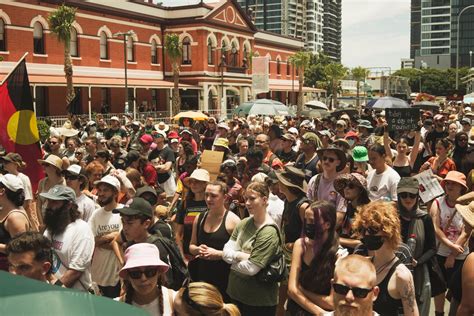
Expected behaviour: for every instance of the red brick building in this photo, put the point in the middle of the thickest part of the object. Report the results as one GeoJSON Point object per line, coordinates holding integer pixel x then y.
{"type": "Point", "coordinates": [207, 33]}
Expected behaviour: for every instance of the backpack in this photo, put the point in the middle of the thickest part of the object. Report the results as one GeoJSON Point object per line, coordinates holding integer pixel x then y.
{"type": "Point", "coordinates": [178, 271]}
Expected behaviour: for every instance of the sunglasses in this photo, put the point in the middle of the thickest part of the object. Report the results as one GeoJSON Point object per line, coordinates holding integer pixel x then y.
{"type": "Point", "coordinates": [358, 292]}
{"type": "Point", "coordinates": [72, 177]}
{"type": "Point", "coordinates": [330, 159]}
{"type": "Point", "coordinates": [137, 274]}
{"type": "Point", "coordinates": [405, 195]}
{"type": "Point", "coordinates": [369, 231]}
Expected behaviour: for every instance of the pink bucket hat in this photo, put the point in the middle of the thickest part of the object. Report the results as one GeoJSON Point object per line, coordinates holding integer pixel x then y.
{"type": "Point", "coordinates": [455, 176]}
{"type": "Point", "coordinates": [143, 255]}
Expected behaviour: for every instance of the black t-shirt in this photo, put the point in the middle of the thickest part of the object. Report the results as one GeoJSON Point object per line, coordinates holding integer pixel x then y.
{"type": "Point", "coordinates": [165, 155]}
{"type": "Point", "coordinates": [287, 157]}
{"type": "Point", "coordinates": [186, 214]}
{"type": "Point", "coordinates": [109, 133]}
{"type": "Point", "coordinates": [433, 136]}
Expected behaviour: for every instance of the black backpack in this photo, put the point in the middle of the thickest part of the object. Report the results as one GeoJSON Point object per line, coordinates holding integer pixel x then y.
{"type": "Point", "coordinates": [178, 271]}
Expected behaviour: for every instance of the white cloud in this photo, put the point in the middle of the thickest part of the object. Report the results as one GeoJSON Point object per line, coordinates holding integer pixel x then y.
{"type": "Point", "coordinates": [375, 33]}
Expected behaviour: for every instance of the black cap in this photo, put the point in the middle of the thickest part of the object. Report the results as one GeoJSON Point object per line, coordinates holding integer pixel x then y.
{"type": "Point", "coordinates": [147, 189]}
{"type": "Point", "coordinates": [139, 206]}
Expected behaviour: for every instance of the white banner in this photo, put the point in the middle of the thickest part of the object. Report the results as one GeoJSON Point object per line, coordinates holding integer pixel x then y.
{"type": "Point", "coordinates": [260, 74]}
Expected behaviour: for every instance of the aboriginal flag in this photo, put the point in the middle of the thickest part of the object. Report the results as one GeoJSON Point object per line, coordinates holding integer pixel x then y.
{"type": "Point", "coordinates": [18, 129]}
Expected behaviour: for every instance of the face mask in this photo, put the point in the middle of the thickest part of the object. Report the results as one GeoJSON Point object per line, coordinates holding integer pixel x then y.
{"type": "Point", "coordinates": [372, 242]}
{"type": "Point", "coordinates": [313, 231]}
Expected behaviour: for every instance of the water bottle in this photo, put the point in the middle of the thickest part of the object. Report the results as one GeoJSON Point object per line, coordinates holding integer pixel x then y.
{"type": "Point", "coordinates": [411, 243]}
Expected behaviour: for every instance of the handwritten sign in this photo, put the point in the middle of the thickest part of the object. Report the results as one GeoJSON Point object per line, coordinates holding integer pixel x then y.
{"type": "Point", "coordinates": [402, 119]}
{"type": "Point", "coordinates": [429, 186]}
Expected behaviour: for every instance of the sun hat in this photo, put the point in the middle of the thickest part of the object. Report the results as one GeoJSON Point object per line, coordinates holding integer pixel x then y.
{"type": "Point", "coordinates": [272, 177]}
{"type": "Point", "coordinates": [13, 157]}
{"type": "Point", "coordinates": [292, 177]}
{"type": "Point", "coordinates": [311, 137]}
{"type": "Point", "coordinates": [110, 180]}
{"type": "Point", "coordinates": [293, 130]}
{"type": "Point", "coordinates": [143, 255]}
{"type": "Point", "coordinates": [355, 178]}
{"type": "Point", "coordinates": [325, 133]}
{"type": "Point", "coordinates": [199, 175]}
{"type": "Point", "coordinates": [221, 142]}
{"type": "Point", "coordinates": [146, 139]}
{"type": "Point", "coordinates": [52, 160]}
{"type": "Point", "coordinates": [290, 137]}
{"type": "Point", "coordinates": [343, 143]}
{"type": "Point", "coordinates": [12, 182]}
{"type": "Point", "coordinates": [223, 125]}
{"type": "Point", "coordinates": [161, 126]}
{"type": "Point", "coordinates": [345, 117]}
{"type": "Point", "coordinates": [341, 122]}
{"type": "Point", "coordinates": [60, 193]}
{"type": "Point", "coordinates": [67, 130]}
{"type": "Point", "coordinates": [76, 170]}
{"type": "Point", "coordinates": [364, 123]}
{"type": "Point", "coordinates": [408, 184]}
{"type": "Point", "coordinates": [455, 176]}
{"type": "Point", "coordinates": [466, 121]}
{"type": "Point", "coordinates": [115, 118]}
{"type": "Point", "coordinates": [137, 206]}
{"type": "Point", "coordinates": [467, 212]}
{"type": "Point", "coordinates": [360, 154]}
{"type": "Point", "coordinates": [340, 155]}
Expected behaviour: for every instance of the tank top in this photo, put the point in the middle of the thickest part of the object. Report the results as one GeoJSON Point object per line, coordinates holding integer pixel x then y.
{"type": "Point", "coordinates": [215, 272]}
{"type": "Point", "coordinates": [5, 237]}
{"type": "Point", "coordinates": [385, 304]}
{"type": "Point", "coordinates": [403, 171]}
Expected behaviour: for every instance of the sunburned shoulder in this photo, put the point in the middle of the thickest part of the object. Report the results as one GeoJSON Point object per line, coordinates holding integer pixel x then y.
{"type": "Point", "coordinates": [403, 275]}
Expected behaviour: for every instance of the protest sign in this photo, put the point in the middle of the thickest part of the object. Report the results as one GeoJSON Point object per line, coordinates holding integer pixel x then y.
{"type": "Point", "coordinates": [402, 119]}
{"type": "Point", "coordinates": [429, 186]}
{"type": "Point", "coordinates": [211, 161]}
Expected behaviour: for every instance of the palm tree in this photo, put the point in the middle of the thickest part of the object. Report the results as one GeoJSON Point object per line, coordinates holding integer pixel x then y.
{"type": "Point", "coordinates": [60, 23]}
{"type": "Point", "coordinates": [300, 61]}
{"type": "Point", "coordinates": [335, 72]}
{"type": "Point", "coordinates": [174, 52]}
{"type": "Point", "coordinates": [359, 74]}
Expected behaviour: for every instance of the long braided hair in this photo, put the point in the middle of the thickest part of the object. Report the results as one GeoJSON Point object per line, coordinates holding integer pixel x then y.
{"type": "Point", "coordinates": [130, 291]}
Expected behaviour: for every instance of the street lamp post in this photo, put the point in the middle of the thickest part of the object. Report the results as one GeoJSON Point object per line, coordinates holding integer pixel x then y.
{"type": "Point", "coordinates": [222, 65]}
{"type": "Point", "coordinates": [470, 59]}
{"type": "Point", "coordinates": [457, 43]}
{"type": "Point", "coordinates": [125, 60]}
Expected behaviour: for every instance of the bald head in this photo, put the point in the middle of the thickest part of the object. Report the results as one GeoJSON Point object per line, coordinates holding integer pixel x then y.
{"type": "Point", "coordinates": [356, 264]}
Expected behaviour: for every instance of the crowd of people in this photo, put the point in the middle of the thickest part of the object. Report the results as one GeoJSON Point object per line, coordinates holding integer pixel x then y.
{"type": "Point", "coordinates": [305, 216]}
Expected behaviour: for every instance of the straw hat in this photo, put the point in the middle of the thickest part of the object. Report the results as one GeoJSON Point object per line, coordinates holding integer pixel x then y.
{"type": "Point", "coordinates": [67, 130]}
{"type": "Point", "coordinates": [52, 160]}
{"type": "Point", "coordinates": [199, 175]}
{"type": "Point", "coordinates": [293, 177]}
{"type": "Point", "coordinates": [467, 212]}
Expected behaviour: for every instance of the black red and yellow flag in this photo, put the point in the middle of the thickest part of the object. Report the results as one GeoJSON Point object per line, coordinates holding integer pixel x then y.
{"type": "Point", "coordinates": [18, 128]}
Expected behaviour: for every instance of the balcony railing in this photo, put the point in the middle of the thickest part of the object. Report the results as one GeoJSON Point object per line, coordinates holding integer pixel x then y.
{"type": "Point", "coordinates": [239, 70]}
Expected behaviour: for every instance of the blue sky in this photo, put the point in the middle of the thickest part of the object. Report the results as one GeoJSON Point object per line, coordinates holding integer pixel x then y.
{"type": "Point", "coordinates": [375, 33]}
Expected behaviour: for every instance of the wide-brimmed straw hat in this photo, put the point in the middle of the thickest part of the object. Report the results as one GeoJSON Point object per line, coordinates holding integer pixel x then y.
{"type": "Point", "coordinates": [455, 176]}
{"type": "Point", "coordinates": [143, 255]}
{"type": "Point", "coordinates": [199, 175]}
{"type": "Point", "coordinates": [341, 155]}
{"type": "Point", "coordinates": [52, 160]}
{"type": "Point", "coordinates": [355, 178]}
{"type": "Point", "coordinates": [67, 130]}
{"type": "Point", "coordinates": [467, 212]}
{"type": "Point", "coordinates": [293, 177]}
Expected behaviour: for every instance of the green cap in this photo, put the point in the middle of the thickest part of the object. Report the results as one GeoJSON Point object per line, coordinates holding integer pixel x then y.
{"type": "Point", "coordinates": [360, 154]}
{"type": "Point", "coordinates": [138, 206]}
{"type": "Point", "coordinates": [408, 184]}
{"type": "Point", "coordinates": [60, 193]}
{"type": "Point", "coordinates": [311, 137]}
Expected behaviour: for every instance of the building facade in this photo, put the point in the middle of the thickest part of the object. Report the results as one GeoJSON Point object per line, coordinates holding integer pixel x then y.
{"type": "Point", "coordinates": [217, 43]}
{"type": "Point", "coordinates": [437, 33]}
{"type": "Point", "coordinates": [332, 33]}
{"type": "Point", "coordinates": [301, 19]}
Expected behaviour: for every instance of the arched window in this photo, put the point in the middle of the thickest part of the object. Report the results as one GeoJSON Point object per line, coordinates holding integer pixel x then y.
{"type": "Point", "coordinates": [245, 59]}
{"type": "Point", "coordinates": [186, 51]}
{"type": "Point", "coordinates": [104, 46]}
{"type": "Point", "coordinates": [38, 38]}
{"type": "Point", "coordinates": [130, 49]}
{"type": "Point", "coordinates": [210, 53]}
{"type": "Point", "coordinates": [73, 44]}
{"type": "Point", "coordinates": [3, 41]}
{"type": "Point", "coordinates": [278, 67]}
{"type": "Point", "coordinates": [154, 52]}
{"type": "Point", "coordinates": [234, 55]}
{"type": "Point", "coordinates": [223, 53]}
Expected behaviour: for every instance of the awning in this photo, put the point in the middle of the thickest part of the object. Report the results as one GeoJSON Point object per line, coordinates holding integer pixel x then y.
{"type": "Point", "coordinates": [275, 87]}
{"type": "Point", "coordinates": [103, 82]}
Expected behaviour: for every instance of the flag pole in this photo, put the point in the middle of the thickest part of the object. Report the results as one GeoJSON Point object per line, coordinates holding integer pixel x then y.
{"type": "Point", "coordinates": [13, 69]}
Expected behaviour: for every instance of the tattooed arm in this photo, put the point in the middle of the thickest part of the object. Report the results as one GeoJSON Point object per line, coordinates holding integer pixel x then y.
{"type": "Point", "coordinates": [406, 290]}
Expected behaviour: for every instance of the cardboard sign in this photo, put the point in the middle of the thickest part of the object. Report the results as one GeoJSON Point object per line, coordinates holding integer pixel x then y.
{"type": "Point", "coordinates": [402, 119]}
{"type": "Point", "coordinates": [211, 161]}
{"type": "Point", "coordinates": [429, 186]}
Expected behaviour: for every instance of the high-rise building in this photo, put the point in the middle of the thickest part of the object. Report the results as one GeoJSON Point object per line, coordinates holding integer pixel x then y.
{"type": "Point", "coordinates": [438, 33]}
{"type": "Point", "coordinates": [302, 19]}
{"type": "Point", "coordinates": [332, 29]}
{"type": "Point", "coordinates": [415, 23]}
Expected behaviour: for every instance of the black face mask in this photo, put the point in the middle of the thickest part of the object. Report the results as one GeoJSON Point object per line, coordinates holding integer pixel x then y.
{"type": "Point", "coordinates": [373, 242]}
{"type": "Point", "coordinates": [313, 231]}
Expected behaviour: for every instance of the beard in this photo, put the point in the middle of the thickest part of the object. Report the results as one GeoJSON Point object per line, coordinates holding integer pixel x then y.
{"type": "Point", "coordinates": [105, 201]}
{"type": "Point", "coordinates": [363, 310]}
{"type": "Point", "coordinates": [56, 220]}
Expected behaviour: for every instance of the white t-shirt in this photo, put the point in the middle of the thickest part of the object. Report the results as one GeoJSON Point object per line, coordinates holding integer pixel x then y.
{"type": "Point", "coordinates": [105, 264]}
{"type": "Point", "coordinates": [383, 185]}
{"type": "Point", "coordinates": [85, 206]}
{"type": "Point", "coordinates": [275, 208]}
{"type": "Point", "coordinates": [27, 185]}
{"type": "Point", "coordinates": [153, 307]}
{"type": "Point", "coordinates": [73, 250]}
